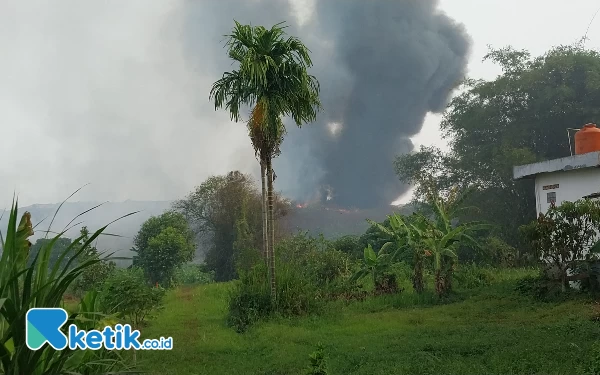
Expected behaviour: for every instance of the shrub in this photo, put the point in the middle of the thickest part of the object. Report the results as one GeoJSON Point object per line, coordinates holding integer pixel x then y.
{"type": "Point", "coordinates": [541, 288]}
{"type": "Point", "coordinates": [250, 299]}
{"type": "Point", "coordinates": [309, 271]}
{"type": "Point", "coordinates": [350, 245]}
{"type": "Point", "coordinates": [561, 237]}
{"type": "Point", "coordinates": [592, 363]}
{"type": "Point", "coordinates": [127, 293]}
{"type": "Point", "coordinates": [470, 276]}
{"type": "Point", "coordinates": [318, 364]}
{"type": "Point", "coordinates": [190, 274]}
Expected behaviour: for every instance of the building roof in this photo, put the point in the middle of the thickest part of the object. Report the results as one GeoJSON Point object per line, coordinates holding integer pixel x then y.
{"type": "Point", "coordinates": [589, 160]}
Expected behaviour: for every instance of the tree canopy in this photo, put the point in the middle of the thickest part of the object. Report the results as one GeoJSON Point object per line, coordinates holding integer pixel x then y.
{"type": "Point", "coordinates": [520, 117]}
{"type": "Point", "coordinates": [213, 210]}
{"type": "Point", "coordinates": [163, 243]}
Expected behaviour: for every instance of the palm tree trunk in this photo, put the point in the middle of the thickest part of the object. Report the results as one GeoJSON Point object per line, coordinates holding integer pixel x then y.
{"type": "Point", "coordinates": [271, 228]}
{"type": "Point", "coordinates": [264, 212]}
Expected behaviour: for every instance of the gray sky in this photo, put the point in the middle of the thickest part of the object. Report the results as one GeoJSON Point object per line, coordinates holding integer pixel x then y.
{"type": "Point", "coordinates": [128, 88]}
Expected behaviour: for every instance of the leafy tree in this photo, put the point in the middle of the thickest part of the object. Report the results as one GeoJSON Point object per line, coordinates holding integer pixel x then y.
{"type": "Point", "coordinates": [561, 237]}
{"type": "Point", "coordinates": [58, 248]}
{"type": "Point", "coordinates": [271, 78]}
{"type": "Point", "coordinates": [213, 210]}
{"type": "Point", "coordinates": [163, 243]}
{"type": "Point", "coordinates": [518, 118]}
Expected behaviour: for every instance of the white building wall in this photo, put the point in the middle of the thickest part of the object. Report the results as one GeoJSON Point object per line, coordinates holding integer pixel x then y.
{"type": "Point", "coordinates": [572, 185]}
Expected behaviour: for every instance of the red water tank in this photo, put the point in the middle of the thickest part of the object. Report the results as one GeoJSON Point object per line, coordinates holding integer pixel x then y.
{"type": "Point", "coordinates": [587, 139]}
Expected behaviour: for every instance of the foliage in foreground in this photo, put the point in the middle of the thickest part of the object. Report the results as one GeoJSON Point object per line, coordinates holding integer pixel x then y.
{"type": "Point", "coordinates": [22, 288]}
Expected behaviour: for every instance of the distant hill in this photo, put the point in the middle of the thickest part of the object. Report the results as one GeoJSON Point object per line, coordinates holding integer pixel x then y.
{"type": "Point", "coordinates": [316, 218]}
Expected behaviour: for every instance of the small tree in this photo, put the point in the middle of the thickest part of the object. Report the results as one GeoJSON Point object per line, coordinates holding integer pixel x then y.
{"type": "Point", "coordinates": [127, 294]}
{"type": "Point", "coordinates": [561, 237]}
{"type": "Point", "coordinates": [163, 243]}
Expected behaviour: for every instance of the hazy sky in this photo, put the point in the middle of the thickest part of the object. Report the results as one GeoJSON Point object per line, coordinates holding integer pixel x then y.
{"type": "Point", "coordinates": [117, 73]}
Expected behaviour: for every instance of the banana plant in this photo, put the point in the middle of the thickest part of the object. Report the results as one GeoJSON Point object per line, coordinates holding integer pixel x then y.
{"type": "Point", "coordinates": [403, 235]}
{"type": "Point", "coordinates": [441, 239]}
{"type": "Point", "coordinates": [374, 263]}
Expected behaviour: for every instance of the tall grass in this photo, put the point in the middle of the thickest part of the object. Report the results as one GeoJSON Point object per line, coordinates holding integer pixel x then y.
{"type": "Point", "coordinates": [24, 287]}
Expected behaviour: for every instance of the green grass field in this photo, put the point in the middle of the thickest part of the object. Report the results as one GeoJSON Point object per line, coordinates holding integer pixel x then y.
{"type": "Point", "coordinates": [492, 330]}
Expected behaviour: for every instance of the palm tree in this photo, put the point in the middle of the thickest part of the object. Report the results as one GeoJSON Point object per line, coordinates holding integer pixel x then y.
{"type": "Point", "coordinates": [272, 78]}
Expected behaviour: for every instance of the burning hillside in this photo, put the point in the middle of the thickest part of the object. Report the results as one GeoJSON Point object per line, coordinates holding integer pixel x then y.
{"type": "Point", "coordinates": [333, 221]}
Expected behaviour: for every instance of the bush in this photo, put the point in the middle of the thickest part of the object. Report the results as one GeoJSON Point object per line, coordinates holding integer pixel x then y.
{"type": "Point", "coordinates": [318, 363]}
{"type": "Point", "coordinates": [493, 252]}
{"type": "Point", "coordinates": [318, 258]}
{"type": "Point", "coordinates": [163, 243]}
{"type": "Point", "coordinates": [591, 364]}
{"type": "Point", "coordinates": [308, 271]}
{"type": "Point", "coordinates": [561, 237]}
{"type": "Point", "coordinates": [250, 299]}
{"type": "Point", "coordinates": [127, 294]}
{"type": "Point", "coordinates": [541, 288]}
{"type": "Point", "coordinates": [470, 276]}
{"type": "Point", "coordinates": [190, 274]}
{"type": "Point", "coordinates": [350, 245]}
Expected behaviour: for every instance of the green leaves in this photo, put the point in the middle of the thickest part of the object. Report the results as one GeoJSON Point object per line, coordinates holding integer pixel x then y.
{"type": "Point", "coordinates": [370, 257]}
{"type": "Point", "coordinates": [24, 286]}
{"type": "Point", "coordinates": [272, 74]}
{"type": "Point", "coordinates": [163, 243]}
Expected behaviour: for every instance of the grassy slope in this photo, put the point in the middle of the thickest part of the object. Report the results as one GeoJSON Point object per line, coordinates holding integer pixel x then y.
{"type": "Point", "coordinates": [491, 331]}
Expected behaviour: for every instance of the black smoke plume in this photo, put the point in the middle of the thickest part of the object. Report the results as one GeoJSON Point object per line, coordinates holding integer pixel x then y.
{"type": "Point", "coordinates": [382, 65]}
